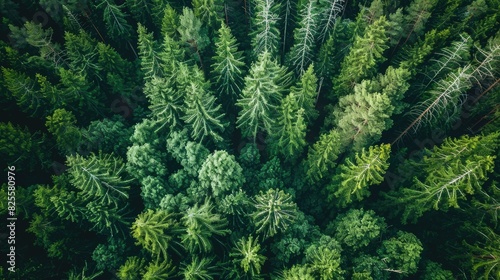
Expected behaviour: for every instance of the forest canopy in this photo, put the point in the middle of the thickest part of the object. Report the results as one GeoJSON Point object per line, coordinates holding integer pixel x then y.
{"type": "Point", "coordinates": [254, 139]}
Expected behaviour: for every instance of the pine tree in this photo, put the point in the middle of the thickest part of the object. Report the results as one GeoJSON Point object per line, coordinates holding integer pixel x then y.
{"type": "Point", "coordinates": [274, 212]}
{"type": "Point", "coordinates": [265, 34]}
{"type": "Point", "coordinates": [290, 132]}
{"type": "Point", "coordinates": [170, 21]}
{"type": "Point", "coordinates": [25, 91]}
{"type": "Point", "coordinates": [328, 18]}
{"type": "Point", "coordinates": [440, 108]}
{"type": "Point", "coordinates": [261, 95]}
{"type": "Point", "coordinates": [198, 268]}
{"type": "Point", "coordinates": [115, 19]}
{"type": "Point", "coordinates": [202, 115]}
{"type": "Point", "coordinates": [228, 66]}
{"type": "Point", "coordinates": [208, 11]}
{"type": "Point", "coordinates": [323, 154]}
{"type": "Point", "coordinates": [99, 177]}
{"type": "Point", "coordinates": [355, 178]}
{"type": "Point", "coordinates": [62, 126]}
{"type": "Point", "coordinates": [302, 52]}
{"type": "Point", "coordinates": [151, 63]}
{"type": "Point", "coordinates": [155, 231]}
{"type": "Point", "coordinates": [201, 224]}
{"type": "Point", "coordinates": [166, 103]}
{"type": "Point", "coordinates": [192, 33]}
{"type": "Point", "coordinates": [365, 54]}
{"type": "Point", "coordinates": [305, 92]}
{"type": "Point", "coordinates": [451, 172]}
{"type": "Point", "coordinates": [417, 14]}
{"type": "Point", "coordinates": [247, 254]}
{"type": "Point", "coordinates": [362, 117]}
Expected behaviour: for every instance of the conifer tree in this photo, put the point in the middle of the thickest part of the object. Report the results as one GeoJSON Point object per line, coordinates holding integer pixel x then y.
{"type": "Point", "coordinates": [208, 11]}
{"type": "Point", "coordinates": [274, 212]}
{"type": "Point", "coordinates": [290, 132]}
{"type": "Point", "coordinates": [362, 117]}
{"type": "Point", "coordinates": [201, 224]}
{"type": "Point", "coordinates": [155, 231]}
{"type": "Point", "coordinates": [192, 32]}
{"type": "Point", "coordinates": [202, 115]}
{"type": "Point", "coordinates": [228, 66]}
{"type": "Point", "coordinates": [417, 14]}
{"type": "Point", "coordinates": [99, 177]}
{"type": "Point", "coordinates": [365, 54]}
{"type": "Point", "coordinates": [166, 103]}
{"type": "Point", "coordinates": [323, 154]}
{"type": "Point", "coordinates": [247, 255]}
{"type": "Point", "coordinates": [151, 63]}
{"type": "Point", "coordinates": [451, 173]}
{"type": "Point", "coordinates": [305, 92]}
{"type": "Point", "coordinates": [355, 178]}
{"type": "Point", "coordinates": [221, 173]}
{"type": "Point", "coordinates": [328, 18]}
{"type": "Point", "coordinates": [115, 19]}
{"type": "Point", "coordinates": [170, 21]}
{"type": "Point", "coordinates": [81, 51]}
{"type": "Point", "coordinates": [25, 91]}
{"type": "Point", "coordinates": [265, 34]}
{"type": "Point", "coordinates": [198, 268]}
{"type": "Point", "coordinates": [261, 95]}
{"type": "Point", "coordinates": [62, 126]}
{"type": "Point", "coordinates": [302, 52]}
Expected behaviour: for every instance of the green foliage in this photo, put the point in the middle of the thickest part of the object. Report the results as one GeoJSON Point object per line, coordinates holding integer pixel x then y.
{"type": "Point", "coordinates": [148, 54]}
{"type": "Point", "coordinates": [247, 254]}
{"type": "Point", "coordinates": [131, 269]}
{"type": "Point", "coordinates": [324, 259]}
{"type": "Point", "coordinates": [362, 117]}
{"type": "Point", "coordinates": [221, 173]}
{"type": "Point", "coordinates": [201, 223]}
{"type": "Point", "coordinates": [357, 228]}
{"type": "Point", "coordinates": [290, 131]}
{"type": "Point", "coordinates": [198, 269]}
{"type": "Point", "coordinates": [323, 154]}
{"type": "Point", "coordinates": [485, 254]}
{"type": "Point", "coordinates": [109, 256]}
{"type": "Point", "coordinates": [228, 65]}
{"type": "Point", "coordinates": [261, 96]}
{"type": "Point", "coordinates": [158, 271]}
{"type": "Point", "coordinates": [301, 54]}
{"type": "Point", "coordinates": [107, 135]}
{"type": "Point", "coordinates": [202, 115]}
{"type": "Point", "coordinates": [401, 253]}
{"type": "Point", "coordinates": [434, 270]}
{"type": "Point", "coordinates": [265, 32]}
{"type": "Point", "coordinates": [451, 172]}
{"type": "Point", "coordinates": [62, 126]}
{"type": "Point", "coordinates": [274, 211]}
{"type": "Point", "coordinates": [191, 31]}
{"type": "Point", "coordinates": [328, 18]}
{"type": "Point", "coordinates": [99, 177]}
{"type": "Point", "coordinates": [365, 54]}
{"type": "Point", "coordinates": [155, 231]}
{"type": "Point", "coordinates": [305, 92]}
{"type": "Point", "coordinates": [355, 178]}
{"type": "Point", "coordinates": [20, 148]}
{"type": "Point", "coordinates": [115, 19]}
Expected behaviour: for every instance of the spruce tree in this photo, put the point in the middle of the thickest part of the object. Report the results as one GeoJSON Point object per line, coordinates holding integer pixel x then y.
{"type": "Point", "coordinates": [228, 66]}
{"type": "Point", "coordinates": [354, 178]}
{"type": "Point", "coordinates": [328, 18]}
{"type": "Point", "coordinates": [323, 154]}
{"type": "Point", "coordinates": [305, 92]}
{"type": "Point", "coordinates": [261, 96]}
{"type": "Point", "coordinates": [302, 52]}
{"type": "Point", "coordinates": [265, 33]}
{"type": "Point", "coordinates": [363, 58]}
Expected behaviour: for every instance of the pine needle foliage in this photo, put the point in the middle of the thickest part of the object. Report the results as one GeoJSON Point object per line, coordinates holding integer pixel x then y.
{"type": "Point", "coordinates": [99, 177]}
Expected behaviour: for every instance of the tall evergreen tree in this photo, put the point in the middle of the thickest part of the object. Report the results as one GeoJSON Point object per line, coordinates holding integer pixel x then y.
{"type": "Point", "coordinates": [290, 132]}
{"type": "Point", "coordinates": [265, 34]}
{"type": "Point", "coordinates": [247, 255]}
{"type": "Point", "coordinates": [353, 180]}
{"type": "Point", "coordinates": [115, 19]}
{"type": "Point", "coordinates": [323, 154]}
{"type": "Point", "coordinates": [302, 52]}
{"type": "Point", "coordinates": [228, 66]}
{"type": "Point", "coordinates": [328, 18]}
{"type": "Point", "coordinates": [261, 95]}
{"type": "Point", "coordinates": [364, 56]}
{"type": "Point", "coordinates": [149, 54]}
{"type": "Point", "coordinates": [305, 92]}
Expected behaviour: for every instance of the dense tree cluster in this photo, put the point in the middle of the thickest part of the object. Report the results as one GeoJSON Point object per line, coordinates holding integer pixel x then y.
{"type": "Point", "coordinates": [262, 139]}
